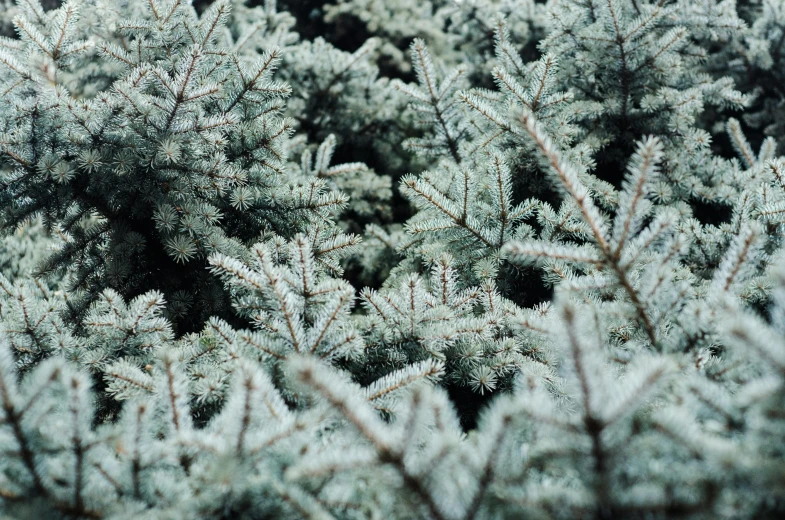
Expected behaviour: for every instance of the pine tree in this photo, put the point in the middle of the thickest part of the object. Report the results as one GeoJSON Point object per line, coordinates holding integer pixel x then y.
{"type": "Point", "coordinates": [188, 136]}
{"type": "Point", "coordinates": [215, 302]}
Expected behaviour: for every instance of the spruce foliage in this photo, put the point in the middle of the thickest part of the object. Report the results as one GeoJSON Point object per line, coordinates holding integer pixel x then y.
{"type": "Point", "coordinates": [453, 260]}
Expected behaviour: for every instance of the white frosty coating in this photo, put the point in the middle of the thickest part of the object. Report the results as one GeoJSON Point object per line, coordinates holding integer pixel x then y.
{"type": "Point", "coordinates": [177, 335]}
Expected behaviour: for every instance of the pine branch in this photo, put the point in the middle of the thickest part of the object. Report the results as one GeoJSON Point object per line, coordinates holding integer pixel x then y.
{"type": "Point", "coordinates": [568, 178]}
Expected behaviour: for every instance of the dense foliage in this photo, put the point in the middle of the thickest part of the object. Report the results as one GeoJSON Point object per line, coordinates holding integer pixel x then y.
{"type": "Point", "coordinates": [370, 259]}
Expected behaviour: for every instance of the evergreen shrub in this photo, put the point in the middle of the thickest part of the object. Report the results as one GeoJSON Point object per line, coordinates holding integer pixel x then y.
{"type": "Point", "coordinates": [400, 259]}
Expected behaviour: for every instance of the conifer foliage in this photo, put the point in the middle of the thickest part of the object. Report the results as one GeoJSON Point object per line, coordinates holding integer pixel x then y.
{"type": "Point", "coordinates": [452, 260]}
